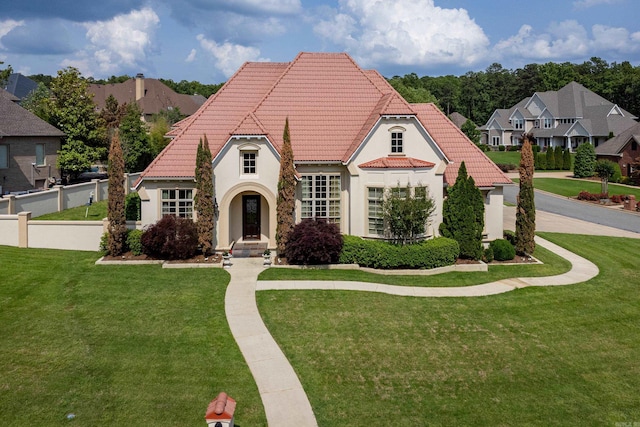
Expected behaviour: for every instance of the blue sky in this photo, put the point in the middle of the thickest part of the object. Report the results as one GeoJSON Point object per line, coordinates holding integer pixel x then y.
{"type": "Point", "coordinates": [207, 40]}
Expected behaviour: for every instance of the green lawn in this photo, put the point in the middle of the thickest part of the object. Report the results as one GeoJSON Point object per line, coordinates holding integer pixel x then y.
{"type": "Point", "coordinates": [561, 356]}
{"type": "Point", "coordinates": [115, 345]}
{"type": "Point", "coordinates": [96, 212]}
{"type": "Point", "coordinates": [572, 187]}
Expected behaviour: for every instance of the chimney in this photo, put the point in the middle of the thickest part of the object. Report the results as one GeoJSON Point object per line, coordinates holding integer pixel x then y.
{"type": "Point", "coordinates": [139, 86]}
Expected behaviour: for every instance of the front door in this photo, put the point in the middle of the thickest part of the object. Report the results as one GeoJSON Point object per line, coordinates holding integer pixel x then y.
{"type": "Point", "coordinates": [251, 217]}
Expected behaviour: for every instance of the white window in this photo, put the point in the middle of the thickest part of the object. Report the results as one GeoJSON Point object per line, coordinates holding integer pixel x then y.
{"type": "Point", "coordinates": [495, 140]}
{"type": "Point", "coordinates": [548, 123]}
{"type": "Point", "coordinates": [396, 142]}
{"type": "Point", "coordinates": [321, 197]}
{"type": "Point", "coordinates": [4, 156]}
{"type": "Point", "coordinates": [518, 124]}
{"type": "Point", "coordinates": [40, 158]}
{"type": "Point", "coordinates": [177, 203]}
{"type": "Point", "coordinates": [249, 162]}
{"type": "Point", "coordinates": [376, 220]}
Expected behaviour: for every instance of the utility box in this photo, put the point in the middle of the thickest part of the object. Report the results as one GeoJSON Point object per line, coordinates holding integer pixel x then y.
{"type": "Point", "coordinates": [220, 411]}
{"type": "Point", "coordinates": [630, 204]}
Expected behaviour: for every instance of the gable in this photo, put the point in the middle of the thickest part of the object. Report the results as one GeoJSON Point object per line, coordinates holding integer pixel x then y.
{"type": "Point", "coordinates": [535, 105]}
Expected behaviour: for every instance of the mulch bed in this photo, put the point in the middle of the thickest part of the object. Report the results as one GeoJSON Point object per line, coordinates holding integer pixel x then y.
{"type": "Point", "coordinates": [197, 259]}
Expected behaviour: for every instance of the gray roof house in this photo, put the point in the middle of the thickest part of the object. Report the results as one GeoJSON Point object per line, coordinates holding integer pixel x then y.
{"type": "Point", "coordinates": [566, 118]}
{"type": "Point", "coordinates": [622, 149]}
{"type": "Point", "coordinates": [28, 148]}
{"type": "Point", "coordinates": [20, 86]}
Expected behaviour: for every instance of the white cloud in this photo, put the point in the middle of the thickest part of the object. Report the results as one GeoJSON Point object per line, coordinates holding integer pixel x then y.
{"type": "Point", "coordinates": [228, 57]}
{"type": "Point", "coordinates": [191, 57]}
{"type": "Point", "coordinates": [123, 41]}
{"type": "Point", "coordinates": [585, 4]}
{"type": "Point", "coordinates": [567, 40]}
{"type": "Point", "coordinates": [405, 32]}
{"type": "Point", "coordinates": [6, 27]}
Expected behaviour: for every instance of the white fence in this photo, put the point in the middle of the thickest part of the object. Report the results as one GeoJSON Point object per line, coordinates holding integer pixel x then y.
{"type": "Point", "coordinates": [17, 228]}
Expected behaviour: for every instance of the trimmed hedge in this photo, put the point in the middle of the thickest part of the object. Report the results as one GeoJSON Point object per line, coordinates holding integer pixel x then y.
{"type": "Point", "coordinates": [438, 252]}
{"type": "Point", "coordinates": [502, 249]}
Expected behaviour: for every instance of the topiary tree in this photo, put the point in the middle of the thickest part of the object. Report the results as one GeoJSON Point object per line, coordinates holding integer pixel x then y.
{"type": "Point", "coordinates": [605, 169]}
{"type": "Point", "coordinates": [585, 161]}
{"type": "Point", "coordinates": [117, 227]}
{"type": "Point", "coordinates": [526, 210]}
{"type": "Point", "coordinates": [557, 155]}
{"type": "Point", "coordinates": [550, 158]}
{"type": "Point", "coordinates": [285, 204]}
{"type": "Point", "coordinates": [313, 242]}
{"type": "Point", "coordinates": [407, 216]}
{"type": "Point", "coordinates": [463, 215]}
{"type": "Point", "coordinates": [203, 200]}
{"type": "Point", "coordinates": [566, 160]}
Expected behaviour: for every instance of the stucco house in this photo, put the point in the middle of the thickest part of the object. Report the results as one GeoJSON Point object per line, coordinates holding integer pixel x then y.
{"type": "Point", "coordinates": [28, 148]}
{"type": "Point", "coordinates": [151, 95]}
{"type": "Point", "coordinates": [567, 118]}
{"type": "Point", "coordinates": [622, 149]}
{"type": "Point", "coordinates": [352, 134]}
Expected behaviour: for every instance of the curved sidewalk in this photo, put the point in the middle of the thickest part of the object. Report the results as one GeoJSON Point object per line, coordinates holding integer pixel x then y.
{"type": "Point", "coordinates": [285, 402]}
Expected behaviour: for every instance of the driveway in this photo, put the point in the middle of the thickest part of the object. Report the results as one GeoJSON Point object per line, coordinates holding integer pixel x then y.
{"type": "Point", "coordinates": [560, 214]}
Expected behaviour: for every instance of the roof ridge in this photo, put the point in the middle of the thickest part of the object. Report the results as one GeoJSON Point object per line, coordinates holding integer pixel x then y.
{"type": "Point", "coordinates": [278, 80]}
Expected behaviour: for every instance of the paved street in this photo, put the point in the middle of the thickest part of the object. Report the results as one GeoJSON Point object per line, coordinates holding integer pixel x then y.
{"type": "Point", "coordinates": [607, 216]}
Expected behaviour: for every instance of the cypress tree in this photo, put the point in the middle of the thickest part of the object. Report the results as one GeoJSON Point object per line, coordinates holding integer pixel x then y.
{"type": "Point", "coordinates": [551, 158]}
{"type": "Point", "coordinates": [463, 215]}
{"type": "Point", "coordinates": [117, 228]}
{"type": "Point", "coordinates": [285, 204]}
{"type": "Point", "coordinates": [203, 199]}
{"type": "Point", "coordinates": [566, 160]}
{"type": "Point", "coordinates": [558, 157]}
{"type": "Point", "coordinates": [526, 210]}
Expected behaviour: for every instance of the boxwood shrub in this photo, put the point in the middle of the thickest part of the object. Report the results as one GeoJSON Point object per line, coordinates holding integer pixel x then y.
{"type": "Point", "coordinates": [503, 250]}
{"type": "Point", "coordinates": [438, 252]}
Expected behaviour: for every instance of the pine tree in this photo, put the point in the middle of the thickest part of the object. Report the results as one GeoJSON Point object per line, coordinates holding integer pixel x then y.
{"type": "Point", "coordinates": [117, 228]}
{"type": "Point", "coordinates": [463, 215]}
{"type": "Point", "coordinates": [286, 192]}
{"type": "Point", "coordinates": [526, 210]}
{"type": "Point", "coordinates": [203, 199]}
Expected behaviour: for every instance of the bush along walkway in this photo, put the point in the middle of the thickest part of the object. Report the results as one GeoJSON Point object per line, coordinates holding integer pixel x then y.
{"type": "Point", "coordinates": [283, 397]}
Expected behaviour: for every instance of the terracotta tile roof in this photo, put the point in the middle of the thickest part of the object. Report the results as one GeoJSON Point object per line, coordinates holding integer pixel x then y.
{"type": "Point", "coordinates": [399, 162]}
{"type": "Point", "coordinates": [221, 408]}
{"type": "Point", "coordinates": [458, 148]}
{"type": "Point", "coordinates": [332, 104]}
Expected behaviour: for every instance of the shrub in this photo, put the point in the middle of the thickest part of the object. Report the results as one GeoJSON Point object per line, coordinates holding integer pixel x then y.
{"type": "Point", "coordinates": [104, 243]}
{"type": "Point", "coordinates": [506, 167]}
{"type": "Point", "coordinates": [592, 197]}
{"type": "Point", "coordinates": [501, 148]}
{"type": "Point", "coordinates": [585, 161]}
{"type": "Point", "coordinates": [313, 242]}
{"type": "Point", "coordinates": [134, 241]}
{"type": "Point", "coordinates": [484, 147]}
{"type": "Point", "coordinates": [509, 236]}
{"type": "Point", "coordinates": [617, 173]}
{"type": "Point", "coordinates": [438, 252]}
{"type": "Point", "coordinates": [171, 238]}
{"type": "Point", "coordinates": [488, 254]}
{"type": "Point", "coordinates": [535, 148]}
{"type": "Point", "coordinates": [503, 250]}
{"type": "Point", "coordinates": [132, 207]}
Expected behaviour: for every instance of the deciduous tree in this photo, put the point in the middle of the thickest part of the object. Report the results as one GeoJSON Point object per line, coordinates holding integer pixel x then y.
{"type": "Point", "coordinates": [526, 210]}
{"type": "Point", "coordinates": [285, 204]}
{"type": "Point", "coordinates": [471, 130]}
{"type": "Point", "coordinates": [407, 215]}
{"type": "Point", "coordinates": [135, 140]}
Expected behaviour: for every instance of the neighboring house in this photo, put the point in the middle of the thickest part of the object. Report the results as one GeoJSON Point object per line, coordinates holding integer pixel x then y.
{"type": "Point", "coordinates": [622, 149]}
{"type": "Point", "coordinates": [20, 86]}
{"type": "Point", "coordinates": [151, 95]}
{"type": "Point", "coordinates": [353, 137]}
{"type": "Point", "coordinates": [458, 119]}
{"type": "Point", "coordinates": [28, 148]}
{"type": "Point", "coordinates": [567, 118]}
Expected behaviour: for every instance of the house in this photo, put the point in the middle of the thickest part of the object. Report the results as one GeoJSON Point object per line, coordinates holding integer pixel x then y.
{"type": "Point", "coordinates": [458, 119]}
{"type": "Point", "coordinates": [28, 148]}
{"type": "Point", "coordinates": [622, 149]}
{"type": "Point", "coordinates": [20, 86]}
{"type": "Point", "coordinates": [151, 95]}
{"type": "Point", "coordinates": [567, 118]}
{"type": "Point", "coordinates": [353, 137]}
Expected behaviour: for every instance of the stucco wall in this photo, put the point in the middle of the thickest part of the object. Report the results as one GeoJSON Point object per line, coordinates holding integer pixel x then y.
{"type": "Point", "coordinates": [9, 230]}
{"type": "Point", "coordinates": [70, 235]}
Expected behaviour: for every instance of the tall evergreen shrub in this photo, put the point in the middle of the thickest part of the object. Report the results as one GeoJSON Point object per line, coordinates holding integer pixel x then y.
{"type": "Point", "coordinates": [203, 199]}
{"type": "Point", "coordinates": [285, 204]}
{"type": "Point", "coordinates": [115, 209]}
{"type": "Point", "coordinates": [585, 162]}
{"type": "Point", "coordinates": [526, 210]}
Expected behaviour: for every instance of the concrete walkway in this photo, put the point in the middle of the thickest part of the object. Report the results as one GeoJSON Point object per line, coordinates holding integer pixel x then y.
{"type": "Point", "coordinates": [284, 399]}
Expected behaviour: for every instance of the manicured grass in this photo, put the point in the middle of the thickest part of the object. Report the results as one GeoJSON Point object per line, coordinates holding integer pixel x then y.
{"type": "Point", "coordinates": [115, 345]}
{"type": "Point", "coordinates": [96, 212]}
{"type": "Point", "coordinates": [553, 264]}
{"type": "Point", "coordinates": [572, 187]}
{"type": "Point", "coordinates": [561, 356]}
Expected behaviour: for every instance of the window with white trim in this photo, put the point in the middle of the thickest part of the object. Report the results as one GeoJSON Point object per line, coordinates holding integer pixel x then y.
{"type": "Point", "coordinates": [495, 140]}
{"type": "Point", "coordinates": [375, 214]}
{"type": "Point", "coordinates": [40, 155]}
{"type": "Point", "coordinates": [547, 123]}
{"type": "Point", "coordinates": [396, 142]}
{"type": "Point", "coordinates": [249, 162]}
{"type": "Point", "coordinates": [321, 197]}
{"type": "Point", "coordinates": [4, 156]}
{"type": "Point", "coordinates": [177, 203]}
{"type": "Point", "coordinates": [518, 124]}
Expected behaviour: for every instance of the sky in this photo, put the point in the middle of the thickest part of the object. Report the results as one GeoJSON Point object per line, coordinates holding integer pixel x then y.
{"type": "Point", "coordinates": [208, 40]}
